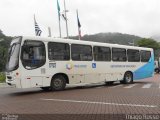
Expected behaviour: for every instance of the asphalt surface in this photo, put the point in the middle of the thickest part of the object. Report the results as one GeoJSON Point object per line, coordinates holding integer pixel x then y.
{"type": "Point", "coordinates": [140, 100]}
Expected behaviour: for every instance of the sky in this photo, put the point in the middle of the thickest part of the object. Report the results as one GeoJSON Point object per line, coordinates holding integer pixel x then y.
{"type": "Point", "coordinates": [136, 17]}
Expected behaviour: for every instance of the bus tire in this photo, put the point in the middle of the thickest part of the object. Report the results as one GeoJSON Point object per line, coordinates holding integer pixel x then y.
{"type": "Point", "coordinates": [58, 83]}
{"type": "Point", "coordinates": [122, 81]}
{"type": "Point", "coordinates": [157, 70]}
{"type": "Point", "coordinates": [46, 88]}
{"type": "Point", "coordinates": [128, 78]}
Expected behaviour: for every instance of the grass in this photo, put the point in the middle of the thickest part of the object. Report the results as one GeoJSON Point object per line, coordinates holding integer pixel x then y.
{"type": "Point", "coordinates": [2, 77]}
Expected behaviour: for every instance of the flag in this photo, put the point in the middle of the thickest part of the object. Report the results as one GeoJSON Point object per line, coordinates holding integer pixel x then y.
{"type": "Point", "coordinates": [58, 8]}
{"type": "Point", "coordinates": [63, 16]}
{"type": "Point", "coordinates": [79, 26]}
{"type": "Point", "coordinates": [37, 29]}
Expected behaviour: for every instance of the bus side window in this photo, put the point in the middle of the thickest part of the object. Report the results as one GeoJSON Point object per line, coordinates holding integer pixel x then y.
{"type": "Point", "coordinates": [119, 54]}
{"type": "Point", "coordinates": [58, 51]}
{"type": "Point", "coordinates": [81, 52]}
{"type": "Point", "coordinates": [33, 54]}
{"type": "Point", "coordinates": [102, 53]}
{"type": "Point", "coordinates": [133, 55]}
{"type": "Point", "coordinates": [25, 55]}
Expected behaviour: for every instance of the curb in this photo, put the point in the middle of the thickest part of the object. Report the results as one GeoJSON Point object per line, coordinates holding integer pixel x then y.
{"type": "Point", "coordinates": [4, 85]}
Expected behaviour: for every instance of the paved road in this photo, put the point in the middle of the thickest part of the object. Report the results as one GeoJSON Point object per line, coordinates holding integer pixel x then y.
{"type": "Point", "coordinates": [88, 102]}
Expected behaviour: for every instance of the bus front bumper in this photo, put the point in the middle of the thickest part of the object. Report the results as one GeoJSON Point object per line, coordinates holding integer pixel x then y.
{"type": "Point", "coordinates": [13, 82]}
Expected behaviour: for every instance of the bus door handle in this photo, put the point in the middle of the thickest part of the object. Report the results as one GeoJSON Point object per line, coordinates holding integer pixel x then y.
{"type": "Point", "coordinates": [43, 70]}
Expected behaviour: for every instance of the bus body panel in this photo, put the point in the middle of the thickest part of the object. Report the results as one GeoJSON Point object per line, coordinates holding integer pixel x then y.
{"type": "Point", "coordinates": [145, 71]}
{"type": "Point", "coordinates": [80, 72]}
{"type": "Point", "coordinates": [13, 78]}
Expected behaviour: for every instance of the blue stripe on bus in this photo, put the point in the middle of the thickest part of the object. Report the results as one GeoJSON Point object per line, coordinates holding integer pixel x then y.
{"type": "Point", "coordinates": [145, 71]}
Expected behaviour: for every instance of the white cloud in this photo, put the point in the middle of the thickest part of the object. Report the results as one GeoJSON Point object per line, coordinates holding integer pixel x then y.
{"type": "Point", "coordinates": [139, 17]}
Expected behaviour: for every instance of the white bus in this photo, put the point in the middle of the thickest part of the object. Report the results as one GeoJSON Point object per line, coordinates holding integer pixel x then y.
{"type": "Point", "coordinates": [51, 63]}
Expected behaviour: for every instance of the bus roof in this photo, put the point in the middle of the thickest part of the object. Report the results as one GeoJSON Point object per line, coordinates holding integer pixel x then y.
{"type": "Point", "coordinates": [73, 41]}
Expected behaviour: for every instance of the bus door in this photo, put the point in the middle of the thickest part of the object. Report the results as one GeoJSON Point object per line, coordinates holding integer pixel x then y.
{"type": "Point", "coordinates": [33, 58]}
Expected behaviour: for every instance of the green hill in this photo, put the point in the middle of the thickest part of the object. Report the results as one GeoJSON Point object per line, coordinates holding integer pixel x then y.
{"type": "Point", "coordinates": [115, 38]}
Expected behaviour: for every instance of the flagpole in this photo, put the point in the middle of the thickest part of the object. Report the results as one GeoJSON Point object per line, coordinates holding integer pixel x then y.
{"type": "Point", "coordinates": [49, 32]}
{"type": "Point", "coordinates": [79, 25]}
{"type": "Point", "coordinates": [58, 8]}
{"type": "Point", "coordinates": [65, 12]}
{"type": "Point", "coordinates": [59, 26]}
{"type": "Point", "coordinates": [34, 18]}
{"type": "Point", "coordinates": [34, 22]}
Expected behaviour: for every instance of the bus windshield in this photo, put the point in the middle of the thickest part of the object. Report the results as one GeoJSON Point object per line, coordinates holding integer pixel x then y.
{"type": "Point", "coordinates": [13, 55]}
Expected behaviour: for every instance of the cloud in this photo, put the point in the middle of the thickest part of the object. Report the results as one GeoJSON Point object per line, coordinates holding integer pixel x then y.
{"type": "Point", "coordinates": [139, 17]}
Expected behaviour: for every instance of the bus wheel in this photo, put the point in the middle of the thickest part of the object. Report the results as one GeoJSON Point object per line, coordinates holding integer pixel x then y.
{"type": "Point", "coordinates": [46, 88]}
{"type": "Point", "coordinates": [58, 83]}
{"type": "Point", "coordinates": [157, 70]}
{"type": "Point", "coordinates": [128, 78]}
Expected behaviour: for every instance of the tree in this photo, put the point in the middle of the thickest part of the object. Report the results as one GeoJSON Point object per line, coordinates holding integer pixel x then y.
{"type": "Point", "coordinates": [4, 45]}
{"type": "Point", "coordinates": [1, 34]}
{"type": "Point", "coordinates": [150, 43]}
